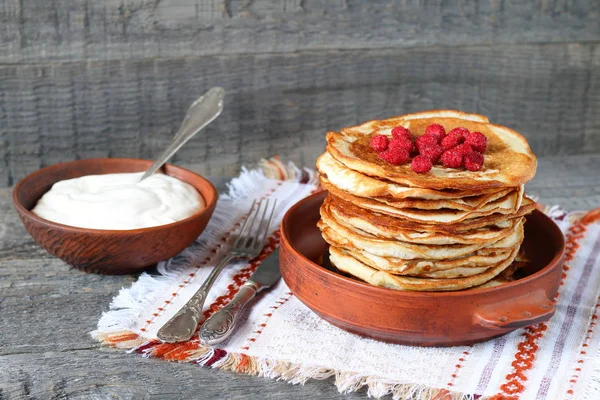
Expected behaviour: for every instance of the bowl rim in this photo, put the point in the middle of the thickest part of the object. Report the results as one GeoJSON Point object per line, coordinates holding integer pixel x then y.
{"type": "Point", "coordinates": [553, 263]}
{"type": "Point", "coordinates": [75, 229]}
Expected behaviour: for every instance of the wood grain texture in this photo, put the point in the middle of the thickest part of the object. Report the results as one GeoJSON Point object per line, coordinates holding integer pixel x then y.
{"type": "Point", "coordinates": [592, 94]}
{"type": "Point", "coordinates": [117, 375]}
{"type": "Point", "coordinates": [47, 310]}
{"type": "Point", "coordinates": [283, 104]}
{"type": "Point", "coordinates": [65, 30]}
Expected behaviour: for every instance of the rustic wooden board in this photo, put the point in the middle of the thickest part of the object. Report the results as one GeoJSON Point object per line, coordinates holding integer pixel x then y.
{"type": "Point", "coordinates": [284, 103]}
{"type": "Point", "coordinates": [47, 310]}
{"type": "Point", "coordinates": [41, 30]}
{"type": "Point", "coordinates": [592, 93]}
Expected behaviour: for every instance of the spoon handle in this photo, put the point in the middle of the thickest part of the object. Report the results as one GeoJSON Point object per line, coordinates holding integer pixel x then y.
{"type": "Point", "coordinates": [183, 324]}
{"type": "Point", "coordinates": [201, 113]}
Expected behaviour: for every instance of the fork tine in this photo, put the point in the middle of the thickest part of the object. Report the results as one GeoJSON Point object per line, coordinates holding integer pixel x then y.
{"type": "Point", "coordinates": [262, 219]}
{"type": "Point", "coordinates": [248, 215]}
{"type": "Point", "coordinates": [247, 236]}
{"type": "Point", "coordinates": [251, 242]}
{"type": "Point", "coordinates": [260, 244]}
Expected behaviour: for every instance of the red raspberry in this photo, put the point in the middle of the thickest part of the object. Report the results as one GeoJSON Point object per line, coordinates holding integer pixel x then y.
{"type": "Point", "coordinates": [436, 130]}
{"type": "Point", "coordinates": [463, 149]}
{"type": "Point", "coordinates": [477, 141]}
{"type": "Point", "coordinates": [474, 161]}
{"type": "Point", "coordinates": [426, 141]}
{"type": "Point", "coordinates": [379, 143]}
{"type": "Point", "coordinates": [432, 152]}
{"type": "Point", "coordinates": [451, 141]}
{"type": "Point", "coordinates": [421, 164]}
{"type": "Point", "coordinates": [402, 142]}
{"type": "Point", "coordinates": [460, 132]}
{"type": "Point", "coordinates": [395, 156]}
{"type": "Point", "coordinates": [452, 159]}
{"type": "Point", "coordinates": [400, 131]}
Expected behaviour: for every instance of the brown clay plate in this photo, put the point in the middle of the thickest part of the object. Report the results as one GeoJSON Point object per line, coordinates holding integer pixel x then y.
{"type": "Point", "coordinates": [419, 318]}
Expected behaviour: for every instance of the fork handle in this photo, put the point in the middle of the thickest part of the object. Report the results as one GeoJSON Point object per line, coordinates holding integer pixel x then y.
{"type": "Point", "coordinates": [183, 325]}
{"type": "Point", "coordinates": [221, 324]}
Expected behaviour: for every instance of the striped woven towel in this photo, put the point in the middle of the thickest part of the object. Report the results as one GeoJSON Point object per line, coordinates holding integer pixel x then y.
{"type": "Point", "coordinates": [552, 360]}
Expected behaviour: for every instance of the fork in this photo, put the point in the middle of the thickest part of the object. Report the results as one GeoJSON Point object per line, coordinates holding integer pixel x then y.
{"type": "Point", "coordinates": [183, 325]}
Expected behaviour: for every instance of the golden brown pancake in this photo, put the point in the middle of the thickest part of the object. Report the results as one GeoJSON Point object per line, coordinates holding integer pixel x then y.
{"type": "Point", "coordinates": [509, 161]}
{"type": "Point", "coordinates": [362, 185]}
{"type": "Point", "coordinates": [340, 236]}
{"type": "Point", "coordinates": [394, 232]}
{"type": "Point", "coordinates": [350, 210]}
{"type": "Point", "coordinates": [344, 262]}
{"type": "Point", "coordinates": [455, 268]}
{"type": "Point", "coordinates": [508, 204]}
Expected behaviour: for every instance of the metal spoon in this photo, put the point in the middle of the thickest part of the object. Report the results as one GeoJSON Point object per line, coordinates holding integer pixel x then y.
{"type": "Point", "coordinates": [201, 113]}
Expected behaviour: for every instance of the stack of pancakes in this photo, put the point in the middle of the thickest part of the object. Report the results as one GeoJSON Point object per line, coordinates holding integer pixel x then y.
{"type": "Point", "coordinates": [448, 229]}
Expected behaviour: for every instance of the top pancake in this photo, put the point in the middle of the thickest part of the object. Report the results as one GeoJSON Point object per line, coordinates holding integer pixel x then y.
{"type": "Point", "coordinates": [362, 185]}
{"type": "Point", "coordinates": [509, 161]}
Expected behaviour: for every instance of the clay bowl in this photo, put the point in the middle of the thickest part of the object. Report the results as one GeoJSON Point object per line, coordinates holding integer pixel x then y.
{"type": "Point", "coordinates": [419, 318]}
{"type": "Point", "coordinates": [109, 251]}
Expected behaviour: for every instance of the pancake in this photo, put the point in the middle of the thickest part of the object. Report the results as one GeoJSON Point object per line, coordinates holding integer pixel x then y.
{"type": "Point", "coordinates": [470, 203]}
{"type": "Point", "coordinates": [391, 231]}
{"type": "Point", "coordinates": [342, 226]}
{"type": "Point", "coordinates": [393, 224]}
{"type": "Point", "coordinates": [338, 235]}
{"type": "Point", "coordinates": [506, 276]}
{"type": "Point", "coordinates": [472, 264]}
{"type": "Point", "coordinates": [362, 185]}
{"type": "Point", "coordinates": [358, 184]}
{"type": "Point", "coordinates": [509, 161]}
{"type": "Point", "coordinates": [507, 204]}
{"type": "Point", "coordinates": [344, 262]}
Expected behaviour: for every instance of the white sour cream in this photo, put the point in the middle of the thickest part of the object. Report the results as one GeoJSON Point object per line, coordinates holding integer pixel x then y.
{"type": "Point", "coordinates": [119, 201]}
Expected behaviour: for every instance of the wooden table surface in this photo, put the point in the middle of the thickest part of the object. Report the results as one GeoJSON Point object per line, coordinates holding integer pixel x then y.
{"type": "Point", "coordinates": [48, 310]}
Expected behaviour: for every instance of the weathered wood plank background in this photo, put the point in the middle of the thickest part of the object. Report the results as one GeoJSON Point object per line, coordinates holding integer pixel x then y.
{"type": "Point", "coordinates": [88, 78]}
{"type": "Point", "coordinates": [72, 30]}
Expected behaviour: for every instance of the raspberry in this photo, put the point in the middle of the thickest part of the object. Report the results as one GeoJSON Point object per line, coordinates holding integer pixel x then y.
{"type": "Point", "coordinates": [379, 143]}
{"type": "Point", "coordinates": [400, 131]}
{"type": "Point", "coordinates": [463, 149]}
{"type": "Point", "coordinates": [451, 141]}
{"type": "Point", "coordinates": [402, 142]}
{"type": "Point", "coordinates": [421, 164]}
{"type": "Point", "coordinates": [474, 161]}
{"type": "Point", "coordinates": [395, 156]}
{"type": "Point", "coordinates": [432, 152]}
{"type": "Point", "coordinates": [436, 130]}
{"type": "Point", "coordinates": [477, 141]}
{"type": "Point", "coordinates": [426, 141]}
{"type": "Point", "coordinates": [460, 132]}
{"type": "Point", "coordinates": [452, 159]}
